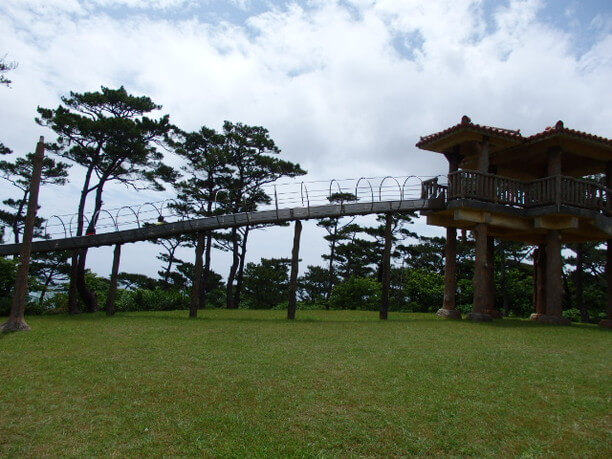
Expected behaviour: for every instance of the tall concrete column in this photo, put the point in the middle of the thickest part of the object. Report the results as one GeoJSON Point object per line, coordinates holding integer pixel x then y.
{"type": "Point", "coordinates": [448, 308]}
{"type": "Point", "coordinates": [539, 274]}
{"type": "Point", "coordinates": [482, 290]}
{"type": "Point", "coordinates": [554, 280]}
{"type": "Point", "coordinates": [295, 260]}
{"type": "Point", "coordinates": [482, 267]}
{"type": "Point", "coordinates": [491, 309]}
{"type": "Point", "coordinates": [607, 322]}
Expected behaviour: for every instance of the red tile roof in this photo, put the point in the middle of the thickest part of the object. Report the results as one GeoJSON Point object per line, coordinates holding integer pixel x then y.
{"type": "Point", "coordinates": [558, 128]}
{"type": "Point", "coordinates": [466, 123]}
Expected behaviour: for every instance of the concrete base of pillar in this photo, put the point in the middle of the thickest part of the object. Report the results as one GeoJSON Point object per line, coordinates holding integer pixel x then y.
{"type": "Point", "coordinates": [554, 320]}
{"type": "Point", "coordinates": [449, 313]}
{"type": "Point", "coordinates": [535, 316]}
{"type": "Point", "coordinates": [494, 313]}
{"type": "Point", "coordinates": [606, 323]}
{"type": "Point", "coordinates": [479, 317]}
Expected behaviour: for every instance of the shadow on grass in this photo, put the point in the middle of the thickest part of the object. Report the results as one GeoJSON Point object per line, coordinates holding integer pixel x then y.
{"type": "Point", "coordinates": [307, 316]}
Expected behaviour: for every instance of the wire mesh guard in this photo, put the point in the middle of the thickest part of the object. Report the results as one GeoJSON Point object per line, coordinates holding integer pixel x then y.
{"type": "Point", "coordinates": [288, 195]}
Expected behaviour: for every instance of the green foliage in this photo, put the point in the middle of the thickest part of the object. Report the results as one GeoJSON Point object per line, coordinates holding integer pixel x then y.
{"type": "Point", "coordinates": [266, 283]}
{"type": "Point", "coordinates": [572, 314]}
{"type": "Point", "coordinates": [8, 272]}
{"type": "Point", "coordinates": [109, 134]}
{"type": "Point", "coordinates": [152, 300]}
{"type": "Point", "coordinates": [514, 291]}
{"type": "Point", "coordinates": [312, 286]}
{"type": "Point", "coordinates": [424, 290]}
{"type": "Point", "coordinates": [133, 281]}
{"type": "Point", "coordinates": [19, 174]}
{"type": "Point", "coordinates": [356, 293]}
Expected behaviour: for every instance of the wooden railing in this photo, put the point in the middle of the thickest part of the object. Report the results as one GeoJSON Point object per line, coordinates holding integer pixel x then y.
{"type": "Point", "coordinates": [557, 190]}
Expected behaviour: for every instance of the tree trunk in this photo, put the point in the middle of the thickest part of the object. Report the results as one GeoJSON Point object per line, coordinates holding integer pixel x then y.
{"type": "Point", "coordinates": [240, 276]}
{"type": "Point", "coordinates": [112, 288]}
{"type": "Point", "coordinates": [88, 296]}
{"type": "Point", "coordinates": [232, 273]}
{"type": "Point", "coordinates": [16, 320]}
{"type": "Point", "coordinates": [295, 259]}
{"type": "Point", "coordinates": [166, 284]}
{"type": "Point", "coordinates": [197, 277]}
{"type": "Point", "coordinates": [43, 291]}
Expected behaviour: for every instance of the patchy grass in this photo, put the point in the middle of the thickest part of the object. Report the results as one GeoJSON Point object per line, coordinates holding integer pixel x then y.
{"type": "Point", "coordinates": [332, 383]}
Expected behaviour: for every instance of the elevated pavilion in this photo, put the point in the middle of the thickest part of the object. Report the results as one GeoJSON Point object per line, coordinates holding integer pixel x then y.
{"type": "Point", "coordinates": [529, 189]}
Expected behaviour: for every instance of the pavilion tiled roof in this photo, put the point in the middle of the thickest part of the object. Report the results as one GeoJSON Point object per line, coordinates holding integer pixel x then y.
{"type": "Point", "coordinates": [466, 123]}
{"type": "Point", "coordinates": [559, 128]}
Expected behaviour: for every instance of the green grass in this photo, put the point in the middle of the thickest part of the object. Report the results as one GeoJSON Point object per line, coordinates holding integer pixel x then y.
{"type": "Point", "coordinates": [332, 383]}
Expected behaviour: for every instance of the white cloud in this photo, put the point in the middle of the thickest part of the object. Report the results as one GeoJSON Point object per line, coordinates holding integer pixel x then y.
{"type": "Point", "coordinates": [328, 81]}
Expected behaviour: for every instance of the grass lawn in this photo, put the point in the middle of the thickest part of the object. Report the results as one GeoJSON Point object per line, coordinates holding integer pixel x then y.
{"type": "Point", "coordinates": [332, 383]}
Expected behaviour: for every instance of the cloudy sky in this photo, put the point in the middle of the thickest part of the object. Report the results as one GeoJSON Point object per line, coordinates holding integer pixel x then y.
{"type": "Point", "coordinates": [346, 87]}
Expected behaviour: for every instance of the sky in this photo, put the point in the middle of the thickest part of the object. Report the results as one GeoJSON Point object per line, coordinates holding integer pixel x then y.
{"type": "Point", "coordinates": [345, 87]}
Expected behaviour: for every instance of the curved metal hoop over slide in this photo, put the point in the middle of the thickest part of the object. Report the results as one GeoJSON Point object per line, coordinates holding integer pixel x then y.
{"type": "Point", "coordinates": [61, 223]}
{"type": "Point", "coordinates": [143, 205]}
{"type": "Point", "coordinates": [399, 188]}
{"type": "Point", "coordinates": [371, 190]}
{"type": "Point", "coordinates": [70, 222]}
{"type": "Point", "coordinates": [331, 184]}
{"type": "Point", "coordinates": [131, 210]}
{"type": "Point", "coordinates": [420, 183]}
{"type": "Point", "coordinates": [110, 216]}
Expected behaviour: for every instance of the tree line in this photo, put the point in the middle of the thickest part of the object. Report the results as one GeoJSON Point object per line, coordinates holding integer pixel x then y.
{"type": "Point", "coordinates": [112, 137]}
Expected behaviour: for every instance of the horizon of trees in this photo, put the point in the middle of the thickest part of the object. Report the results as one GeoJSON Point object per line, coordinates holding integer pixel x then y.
{"type": "Point", "coordinates": [109, 134]}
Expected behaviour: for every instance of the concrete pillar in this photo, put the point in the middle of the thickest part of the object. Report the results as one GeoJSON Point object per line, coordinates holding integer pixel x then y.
{"type": "Point", "coordinates": [554, 281]}
{"type": "Point", "coordinates": [448, 309]}
{"type": "Point", "coordinates": [481, 277]}
{"type": "Point", "coordinates": [539, 275]}
{"type": "Point", "coordinates": [607, 322]}
{"type": "Point", "coordinates": [295, 260]}
{"type": "Point", "coordinates": [491, 310]}
{"type": "Point", "coordinates": [386, 268]}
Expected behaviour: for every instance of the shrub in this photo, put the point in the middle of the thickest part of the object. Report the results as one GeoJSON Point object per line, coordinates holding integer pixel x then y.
{"type": "Point", "coordinates": [424, 290]}
{"type": "Point", "coordinates": [152, 300]}
{"type": "Point", "coordinates": [356, 293]}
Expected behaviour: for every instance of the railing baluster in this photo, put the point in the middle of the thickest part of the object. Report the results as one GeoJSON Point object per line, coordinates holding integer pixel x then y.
{"type": "Point", "coordinates": [557, 190]}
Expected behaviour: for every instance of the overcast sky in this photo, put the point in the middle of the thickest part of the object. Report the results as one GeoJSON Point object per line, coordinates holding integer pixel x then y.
{"type": "Point", "coordinates": [345, 87]}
